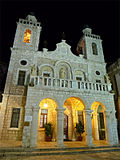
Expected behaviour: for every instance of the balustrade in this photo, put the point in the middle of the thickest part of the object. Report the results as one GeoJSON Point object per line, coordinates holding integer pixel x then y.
{"type": "Point", "coordinates": [65, 83]}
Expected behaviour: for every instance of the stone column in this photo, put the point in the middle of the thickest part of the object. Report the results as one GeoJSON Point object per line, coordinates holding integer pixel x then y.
{"type": "Point", "coordinates": [34, 127]}
{"type": "Point", "coordinates": [27, 126]}
{"type": "Point", "coordinates": [88, 127]}
{"type": "Point", "coordinates": [60, 125]}
{"type": "Point", "coordinates": [112, 136]}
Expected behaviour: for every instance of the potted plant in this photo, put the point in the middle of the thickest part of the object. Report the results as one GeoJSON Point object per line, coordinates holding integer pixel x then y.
{"type": "Point", "coordinates": [48, 131]}
{"type": "Point", "coordinates": [80, 129]}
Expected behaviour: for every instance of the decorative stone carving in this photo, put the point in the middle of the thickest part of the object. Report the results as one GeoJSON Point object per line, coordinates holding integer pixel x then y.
{"type": "Point", "coordinates": [107, 78]}
{"type": "Point", "coordinates": [63, 73]}
{"type": "Point", "coordinates": [34, 70]}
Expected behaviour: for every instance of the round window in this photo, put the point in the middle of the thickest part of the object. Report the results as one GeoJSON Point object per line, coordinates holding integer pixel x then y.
{"type": "Point", "coordinates": [23, 62]}
{"type": "Point", "coordinates": [97, 72]}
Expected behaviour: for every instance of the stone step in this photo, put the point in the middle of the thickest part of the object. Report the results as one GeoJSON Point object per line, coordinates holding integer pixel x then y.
{"type": "Point", "coordinates": [64, 151]}
{"type": "Point", "coordinates": [53, 149]}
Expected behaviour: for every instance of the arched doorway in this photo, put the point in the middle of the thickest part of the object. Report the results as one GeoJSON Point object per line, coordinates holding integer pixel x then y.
{"type": "Point", "coordinates": [98, 121]}
{"type": "Point", "coordinates": [72, 115]}
{"type": "Point", "coordinates": [47, 113]}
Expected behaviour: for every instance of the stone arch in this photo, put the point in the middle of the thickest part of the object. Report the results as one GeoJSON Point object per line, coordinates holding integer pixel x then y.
{"type": "Point", "coordinates": [47, 113]}
{"type": "Point", "coordinates": [98, 121]}
{"type": "Point", "coordinates": [79, 75]}
{"type": "Point", "coordinates": [63, 70]}
{"type": "Point", "coordinates": [47, 69]}
{"type": "Point", "coordinates": [75, 111]}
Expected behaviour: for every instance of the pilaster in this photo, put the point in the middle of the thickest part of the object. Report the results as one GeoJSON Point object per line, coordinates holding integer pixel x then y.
{"type": "Point", "coordinates": [111, 124]}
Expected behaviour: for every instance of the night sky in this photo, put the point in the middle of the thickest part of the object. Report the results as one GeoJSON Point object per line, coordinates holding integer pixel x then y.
{"type": "Point", "coordinates": [63, 16]}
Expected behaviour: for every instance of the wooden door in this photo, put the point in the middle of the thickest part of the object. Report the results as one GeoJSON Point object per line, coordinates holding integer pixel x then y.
{"type": "Point", "coordinates": [101, 126]}
{"type": "Point", "coordinates": [65, 127]}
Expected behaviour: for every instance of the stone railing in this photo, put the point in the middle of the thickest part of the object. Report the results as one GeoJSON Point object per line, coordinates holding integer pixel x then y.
{"type": "Point", "coordinates": [68, 84]}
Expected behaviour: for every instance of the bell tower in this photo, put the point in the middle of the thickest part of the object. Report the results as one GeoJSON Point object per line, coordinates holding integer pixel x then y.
{"type": "Point", "coordinates": [27, 34]}
{"type": "Point", "coordinates": [26, 43]}
{"type": "Point", "coordinates": [90, 48]}
{"type": "Point", "coordinates": [93, 46]}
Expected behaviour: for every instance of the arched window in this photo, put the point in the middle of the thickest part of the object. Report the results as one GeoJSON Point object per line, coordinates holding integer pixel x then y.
{"type": "Point", "coordinates": [94, 49]}
{"type": "Point", "coordinates": [27, 36]}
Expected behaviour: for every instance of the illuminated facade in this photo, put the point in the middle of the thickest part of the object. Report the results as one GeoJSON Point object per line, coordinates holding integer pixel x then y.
{"type": "Point", "coordinates": [58, 87]}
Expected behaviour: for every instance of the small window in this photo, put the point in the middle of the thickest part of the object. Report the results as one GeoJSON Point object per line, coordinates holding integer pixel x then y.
{"type": "Point", "coordinates": [79, 78]}
{"type": "Point", "coordinates": [94, 48]}
{"type": "Point", "coordinates": [27, 36]}
{"type": "Point", "coordinates": [23, 62]}
{"type": "Point", "coordinates": [15, 118]}
{"type": "Point", "coordinates": [98, 81]}
{"type": "Point", "coordinates": [21, 78]}
{"type": "Point", "coordinates": [46, 74]}
{"type": "Point", "coordinates": [43, 118]}
{"type": "Point", "coordinates": [97, 72]}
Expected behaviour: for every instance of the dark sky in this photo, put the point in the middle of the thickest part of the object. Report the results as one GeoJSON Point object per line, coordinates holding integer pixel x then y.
{"type": "Point", "coordinates": [63, 16]}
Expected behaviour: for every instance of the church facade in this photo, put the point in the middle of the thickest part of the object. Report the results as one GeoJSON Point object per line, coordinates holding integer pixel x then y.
{"type": "Point", "coordinates": [57, 87]}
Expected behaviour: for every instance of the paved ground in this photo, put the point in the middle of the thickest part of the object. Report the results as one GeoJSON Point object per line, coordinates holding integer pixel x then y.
{"type": "Point", "coordinates": [93, 156]}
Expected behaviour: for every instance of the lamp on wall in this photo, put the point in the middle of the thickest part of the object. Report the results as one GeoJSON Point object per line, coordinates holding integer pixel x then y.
{"type": "Point", "coordinates": [45, 105]}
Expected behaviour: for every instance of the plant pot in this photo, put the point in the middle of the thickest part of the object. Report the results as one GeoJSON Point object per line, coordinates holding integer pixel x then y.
{"type": "Point", "coordinates": [79, 138]}
{"type": "Point", "coordinates": [48, 139]}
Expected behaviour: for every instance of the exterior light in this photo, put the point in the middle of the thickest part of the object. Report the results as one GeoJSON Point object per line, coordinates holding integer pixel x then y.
{"type": "Point", "coordinates": [45, 105]}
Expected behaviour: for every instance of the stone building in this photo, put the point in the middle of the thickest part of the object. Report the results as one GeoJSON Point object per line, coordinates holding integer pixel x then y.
{"type": "Point", "coordinates": [114, 73]}
{"type": "Point", "coordinates": [58, 87]}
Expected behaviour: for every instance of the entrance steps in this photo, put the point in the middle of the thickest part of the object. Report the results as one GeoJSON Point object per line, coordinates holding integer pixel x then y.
{"type": "Point", "coordinates": [13, 152]}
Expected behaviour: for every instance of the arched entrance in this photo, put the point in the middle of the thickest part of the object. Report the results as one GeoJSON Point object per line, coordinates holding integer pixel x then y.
{"type": "Point", "coordinates": [72, 115]}
{"type": "Point", "coordinates": [98, 121]}
{"type": "Point", "coordinates": [47, 113]}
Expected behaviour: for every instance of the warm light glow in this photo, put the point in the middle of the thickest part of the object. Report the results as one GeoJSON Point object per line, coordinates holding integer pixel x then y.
{"type": "Point", "coordinates": [45, 105]}
{"type": "Point", "coordinates": [27, 36]}
{"type": "Point", "coordinates": [74, 103]}
{"type": "Point", "coordinates": [48, 103]}
{"type": "Point", "coordinates": [95, 105]}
